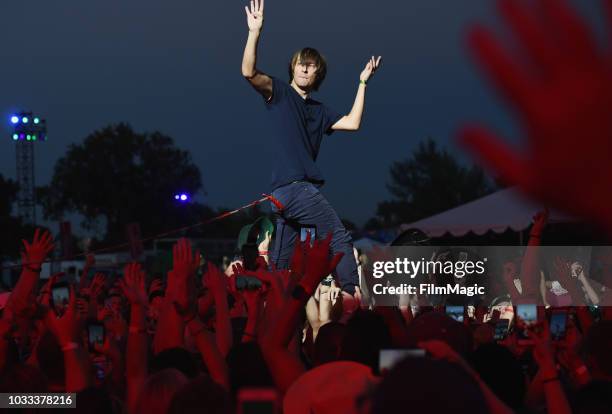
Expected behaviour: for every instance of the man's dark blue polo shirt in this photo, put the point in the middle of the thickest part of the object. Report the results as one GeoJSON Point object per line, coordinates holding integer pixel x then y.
{"type": "Point", "coordinates": [296, 129]}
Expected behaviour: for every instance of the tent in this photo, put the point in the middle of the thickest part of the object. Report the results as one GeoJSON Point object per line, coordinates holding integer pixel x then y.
{"type": "Point", "coordinates": [498, 212]}
{"type": "Point", "coordinates": [366, 243]}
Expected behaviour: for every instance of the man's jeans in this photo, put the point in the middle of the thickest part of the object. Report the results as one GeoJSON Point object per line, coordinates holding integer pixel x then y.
{"type": "Point", "coordinates": [306, 206]}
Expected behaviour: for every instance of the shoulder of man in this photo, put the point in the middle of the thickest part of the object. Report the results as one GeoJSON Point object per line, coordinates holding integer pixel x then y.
{"type": "Point", "coordinates": [279, 90]}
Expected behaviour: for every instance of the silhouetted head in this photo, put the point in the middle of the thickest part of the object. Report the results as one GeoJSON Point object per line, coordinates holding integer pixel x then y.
{"type": "Point", "coordinates": [424, 385]}
{"type": "Point", "coordinates": [200, 395]}
{"type": "Point", "coordinates": [158, 391]}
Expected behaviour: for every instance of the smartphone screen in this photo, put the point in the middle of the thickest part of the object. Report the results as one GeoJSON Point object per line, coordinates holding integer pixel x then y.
{"type": "Point", "coordinates": [60, 296]}
{"type": "Point", "coordinates": [527, 315]}
{"type": "Point", "coordinates": [305, 230]}
{"type": "Point", "coordinates": [558, 325]}
{"type": "Point", "coordinates": [501, 329]}
{"type": "Point", "coordinates": [95, 335]}
{"type": "Point", "coordinates": [389, 357]}
{"type": "Point", "coordinates": [455, 312]}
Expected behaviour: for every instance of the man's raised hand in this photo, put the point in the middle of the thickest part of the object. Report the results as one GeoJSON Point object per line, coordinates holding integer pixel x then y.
{"type": "Point", "coordinates": [255, 15]}
{"type": "Point", "coordinates": [371, 67]}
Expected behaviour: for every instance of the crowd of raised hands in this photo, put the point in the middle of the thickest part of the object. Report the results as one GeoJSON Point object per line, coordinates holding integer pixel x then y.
{"type": "Point", "coordinates": [194, 337]}
{"type": "Point", "coordinates": [143, 320]}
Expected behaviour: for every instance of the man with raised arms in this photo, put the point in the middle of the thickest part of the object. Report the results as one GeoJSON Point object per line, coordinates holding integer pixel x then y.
{"type": "Point", "coordinates": [296, 130]}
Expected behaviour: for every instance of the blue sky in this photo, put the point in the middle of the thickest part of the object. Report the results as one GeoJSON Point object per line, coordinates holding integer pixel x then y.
{"type": "Point", "coordinates": [174, 66]}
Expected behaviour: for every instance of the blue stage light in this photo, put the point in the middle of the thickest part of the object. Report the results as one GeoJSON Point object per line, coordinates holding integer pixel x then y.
{"type": "Point", "coordinates": [14, 119]}
{"type": "Point", "coordinates": [25, 119]}
{"type": "Point", "coordinates": [15, 137]}
{"type": "Point", "coordinates": [36, 120]}
{"type": "Point", "coordinates": [182, 197]}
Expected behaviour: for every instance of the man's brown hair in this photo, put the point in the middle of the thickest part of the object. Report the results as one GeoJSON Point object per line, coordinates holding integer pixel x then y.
{"type": "Point", "coordinates": [309, 54]}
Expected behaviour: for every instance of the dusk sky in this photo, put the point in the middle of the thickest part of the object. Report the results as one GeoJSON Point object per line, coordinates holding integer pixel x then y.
{"type": "Point", "coordinates": [174, 66]}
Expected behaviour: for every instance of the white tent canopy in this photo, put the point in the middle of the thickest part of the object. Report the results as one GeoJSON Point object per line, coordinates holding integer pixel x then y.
{"type": "Point", "coordinates": [497, 212]}
{"type": "Point", "coordinates": [366, 243]}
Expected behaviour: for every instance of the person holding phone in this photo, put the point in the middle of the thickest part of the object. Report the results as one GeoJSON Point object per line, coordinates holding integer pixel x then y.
{"type": "Point", "coordinates": [297, 125]}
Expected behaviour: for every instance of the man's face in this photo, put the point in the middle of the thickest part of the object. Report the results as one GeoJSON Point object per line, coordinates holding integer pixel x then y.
{"type": "Point", "coordinates": [305, 73]}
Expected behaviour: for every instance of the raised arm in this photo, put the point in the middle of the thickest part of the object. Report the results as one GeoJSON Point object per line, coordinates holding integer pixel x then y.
{"type": "Point", "coordinates": [530, 272]}
{"type": "Point", "coordinates": [133, 287]}
{"type": "Point", "coordinates": [284, 366]}
{"type": "Point", "coordinates": [259, 80]}
{"type": "Point", "coordinates": [352, 121]}
{"type": "Point", "coordinates": [217, 283]}
{"type": "Point", "coordinates": [67, 331]}
{"type": "Point", "coordinates": [32, 258]}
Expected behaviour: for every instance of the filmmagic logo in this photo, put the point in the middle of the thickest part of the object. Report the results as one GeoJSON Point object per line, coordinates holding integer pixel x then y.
{"type": "Point", "coordinates": [429, 289]}
{"type": "Point", "coordinates": [412, 268]}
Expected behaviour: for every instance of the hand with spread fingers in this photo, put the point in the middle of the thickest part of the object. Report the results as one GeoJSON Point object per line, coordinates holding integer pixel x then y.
{"type": "Point", "coordinates": [133, 285]}
{"type": "Point", "coordinates": [255, 15]}
{"type": "Point", "coordinates": [562, 93]}
{"type": "Point", "coordinates": [185, 261]}
{"type": "Point", "coordinates": [34, 254]}
{"type": "Point", "coordinates": [318, 263]}
{"type": "Point", "coordinates": [181, 279]}
{"type": "Point", "coordinates": [215, 280]}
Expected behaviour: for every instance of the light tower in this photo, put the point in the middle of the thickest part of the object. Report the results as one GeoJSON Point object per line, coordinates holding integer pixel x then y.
{"type": "Point", "coordinates": [27, 129]}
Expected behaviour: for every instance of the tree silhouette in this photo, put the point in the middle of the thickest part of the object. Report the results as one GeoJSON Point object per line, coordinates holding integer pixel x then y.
{"type": "Point", "coordinates": [13, 230]}
{"type": "Point", "coordinates": [122, 176]}
{"type": "Point", "coordinates": [429, 182]}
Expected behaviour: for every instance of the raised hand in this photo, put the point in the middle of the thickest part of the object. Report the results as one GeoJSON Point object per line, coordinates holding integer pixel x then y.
{"type": "Point", "coordinates": [328, 298]}
{"type": "Point", "coordinates": [156, 285]}
{"type": "Point", "coordinates": [97, 286]}
{"type": "Point", "coordinates": [35, 254]}
{"type": "Point", "coordinates": [539, 222]}
{"type": "Point", "coordinates": [276, 280]}
{"type": "Point", "coordinates": [215, 280]}
{"type": "Point", "coordinates": [66, 327]}
{"type": "Point", "coordinates": [133, 285]}
{"type": "Point", "coordinates": [563, 95]}
{"type": "Point", "coordinates": [318, 263]}
{"type": "Point", "coordinates": [103, 313]}
{"type": "Point", "coordinates": [371, 67]}
{"type": "Point", "coordinates": [542, 351]}
{"type": "Point", "coordinates": [255, 15]}
{"type": "Point", "coordinates": [45, 291]}
{"type": "Point", "coordinates": [185, 262]}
